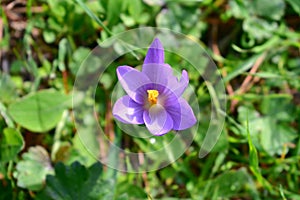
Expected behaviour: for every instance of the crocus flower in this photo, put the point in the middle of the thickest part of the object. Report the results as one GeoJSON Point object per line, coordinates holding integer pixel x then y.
{"type": "Point", "coordinates": [154, 95]}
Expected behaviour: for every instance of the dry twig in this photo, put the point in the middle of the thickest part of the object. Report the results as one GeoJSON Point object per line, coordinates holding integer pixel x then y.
{"type": "Point", "coordinates": [248, 81]}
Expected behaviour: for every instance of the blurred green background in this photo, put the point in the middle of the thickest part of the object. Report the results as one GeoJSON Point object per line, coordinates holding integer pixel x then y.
{"type": "Point", "coordinates": [256, 46]}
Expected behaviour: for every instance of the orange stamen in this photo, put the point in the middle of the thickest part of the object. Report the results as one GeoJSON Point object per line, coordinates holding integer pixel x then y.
{"type": "Point", "coordinates": [152, 96]}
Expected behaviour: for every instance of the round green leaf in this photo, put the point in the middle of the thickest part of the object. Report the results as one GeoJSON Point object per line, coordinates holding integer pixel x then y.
{"type": "Point", "coordinates": [32, 170]}
{"type": "Point", "coordinates": [11, 143]}
{"type": "Point", "coordinates": [41, 111]}
{"type": "Point", "coordinates": [49, 36]}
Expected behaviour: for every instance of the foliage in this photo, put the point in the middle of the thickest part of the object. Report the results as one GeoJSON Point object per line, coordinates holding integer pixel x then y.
{"type": "Point", "coordinates": [76, 182]}
{"type": "Point", "coordinates": [255, 44]}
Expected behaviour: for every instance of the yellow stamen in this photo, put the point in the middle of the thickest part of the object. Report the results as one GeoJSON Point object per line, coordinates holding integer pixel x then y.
{"type": "Point", "coordinates": [152, 96]}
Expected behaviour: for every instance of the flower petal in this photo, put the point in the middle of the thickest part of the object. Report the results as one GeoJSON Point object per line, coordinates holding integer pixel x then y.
{"type": "Point", "coordinates": [182, 115]}
{"type": "Point", "coordinates": [158, 73]}
{"type": "Point", "coordinates": [162, 74]}
{"type": "Point", "coordinates": [127, 111]}
{"type": "Point", "coordinates": [155, 53]}
{"type": "Point", "coordinates": [131, 80]}
{"type": "Point", "coordinates": [178, 87]}
{"type": "Point", "coordinates": [157, 120]}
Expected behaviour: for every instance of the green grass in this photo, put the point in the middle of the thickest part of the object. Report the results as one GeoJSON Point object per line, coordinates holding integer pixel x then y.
{"type": "Point", "coordinates": [48, 145]}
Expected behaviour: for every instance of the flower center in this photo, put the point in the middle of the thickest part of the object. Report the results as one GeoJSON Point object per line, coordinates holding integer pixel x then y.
{"type": "Point", "coordinates": [152, 96]}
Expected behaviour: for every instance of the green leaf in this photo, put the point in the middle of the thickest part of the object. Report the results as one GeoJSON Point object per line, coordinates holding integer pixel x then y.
{"type": "Point", "coordinates": [114, 9]}
{"type": "Point", "coordinates": [238, 9]}
{"type": "Point", "coordinates": [49, 36]}
{"type": "Point", "coordinates": [259, 28]}
{"type": "Point", "coordinates": [131, 190]}
{"type": "Point", "coordinates": [254, 162]}
{"type": "Point", "coordinates": [266, 75]}
{"type": "Point", "coordinates": [127, 19]}
{"type": "Point", "coordinates": [269, 9]}
{"type": "Point", "coordinates": [93, 16]}
{"type": "Point", "coordinates": [144, 18]}
{"type": "Point", "coordinates": [295, 5]}
{"type": "Point", "coordinates": [135, 9]}
{"type": "Point", "coordinates": [155, 2]}
{"type": "Point", "coordinates": [80, 153]}
{"type": "Point", "coordinates": [230, 184]}
{"type": "Point", "coordinates": [63, 48]}
{"type": "Point", "coordinates": [275, 136]}
{"type": "Point", "coordinates": [244, 9]}
{"type": "Point", "coordinates": [4, 114]}
{"type": "Point", "coordinates": [222, 143]}
{"type": "Point", "coordinates": [278, 107]}
{"type": "Point", "coordinates": [11, 144]}
{"type": "Point", "coordinates": [32, 170]}
{"type": "Point", "coordinates": [167, 19]}
{"type": "Point", "coordinates": [41, 111]}
{"type": "Point", "coordinates": [282, 193]}
{"type": "Point", "coordinates": [271, 131]}
{"type": "Point", "coordinates": [57, 8]}
{"type": "Point", "coordinates": [253, 158]}
{"type": "Point", "coordinates": [79, 55]}
{"type": "Point", "coordinates": [7, 89]}
{"type": "Point", "coordinates": [243, 67]}
{"type": "Point", "coordinates": [76, 182]}
{"type": "Point", "coordinates": [276, 131]}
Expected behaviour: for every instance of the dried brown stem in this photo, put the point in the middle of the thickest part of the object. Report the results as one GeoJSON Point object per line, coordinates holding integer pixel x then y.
{"type": "Point", "coordinates": [65, 81]}
{"type": "Point", "coordinates": [109, 127]}
{"type": "Point", "coordinates": [144, 174]}
{"type": "Point", "coordinates": [249, 77]}
{"type": "Point", "coordinates": [34, 9]}
{"type": "Point", "coordinates": [248, 81]}
{"type": "Point", "coordinates": [13, 3]}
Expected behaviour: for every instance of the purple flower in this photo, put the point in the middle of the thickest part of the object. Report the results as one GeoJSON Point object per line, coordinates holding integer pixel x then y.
{"type": "Point", "coordinates": [154, 95]}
